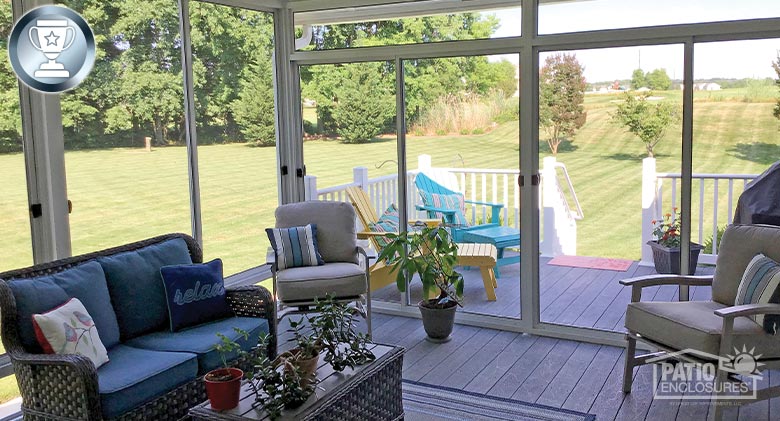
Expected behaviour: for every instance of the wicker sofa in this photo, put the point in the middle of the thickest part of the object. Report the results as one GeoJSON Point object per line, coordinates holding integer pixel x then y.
{"type": "Point", "coordinates": [152, 374]}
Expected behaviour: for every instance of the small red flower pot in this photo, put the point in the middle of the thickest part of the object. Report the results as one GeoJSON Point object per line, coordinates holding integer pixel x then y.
{"type": "Point", "coordinates": [223, 394]}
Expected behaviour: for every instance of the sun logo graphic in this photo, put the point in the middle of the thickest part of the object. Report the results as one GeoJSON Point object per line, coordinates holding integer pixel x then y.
{"type": "Point", "coordinates": [691, 374]}
{"type": "Point", "coordinates": [743, 362]}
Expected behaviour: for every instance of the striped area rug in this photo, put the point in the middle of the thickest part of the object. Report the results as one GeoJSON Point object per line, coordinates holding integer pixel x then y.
{"type": "Point", "coordinates": [424, 402]}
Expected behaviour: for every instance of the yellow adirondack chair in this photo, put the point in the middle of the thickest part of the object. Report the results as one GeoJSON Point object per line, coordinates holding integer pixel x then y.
{"type": "Point", "coordinates": [480, 255]}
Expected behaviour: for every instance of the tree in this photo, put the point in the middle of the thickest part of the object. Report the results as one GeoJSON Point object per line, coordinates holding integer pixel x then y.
{"type": "Point", "coordinates": [254, 108]}
{"type": "Point", "coordinates": [645, 120]}
{"type": "Point", "coordinates": [658, 80]}
{"type": "Point", "coordinates": [364, 103]}
{"type": "Point", "coordinates": [638, 79]}
{"type": "Point", "coordinates": [10, 120]}
{"type": "Point", "coordinates": [776, 66]}
{"type": "Point", "coordinates": [561, 94]}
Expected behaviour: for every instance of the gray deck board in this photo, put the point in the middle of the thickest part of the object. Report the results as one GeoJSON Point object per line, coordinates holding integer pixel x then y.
{"type": "Point", "coordinates": [554, 372]}
{"type": "Point", "coordinates": [567, 295]}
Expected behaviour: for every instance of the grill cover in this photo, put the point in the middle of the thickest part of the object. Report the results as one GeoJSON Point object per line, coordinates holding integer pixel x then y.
{"type": "Point", "coordinates": [760, 202]}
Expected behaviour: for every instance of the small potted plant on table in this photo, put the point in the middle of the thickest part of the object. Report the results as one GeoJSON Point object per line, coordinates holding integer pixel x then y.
{"type": "Point", "coordinates": [666, 246]}
{"type": "Point", "coordinates": [224, 384]}
{"type": "Point", "coordinates": [288, 380]}
{"type": "Point", "coordinates": [431, 255]}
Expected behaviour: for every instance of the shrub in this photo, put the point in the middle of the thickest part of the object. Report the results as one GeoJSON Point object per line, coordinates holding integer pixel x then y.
{"type": "Point", "coordinates": [477, 131]}
{"type": "Point", "coordinates": [365, 104]}
{"type": "Point", "coordinates": [464, 131]}
{"type": "Point", "coordinates": [465, 112]}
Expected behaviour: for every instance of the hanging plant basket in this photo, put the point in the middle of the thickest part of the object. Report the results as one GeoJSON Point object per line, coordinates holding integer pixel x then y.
{"type": "Point", "coordinates": [667, 259]}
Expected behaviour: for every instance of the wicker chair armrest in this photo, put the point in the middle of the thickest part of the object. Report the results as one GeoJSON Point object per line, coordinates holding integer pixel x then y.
{"type": "Point", "coordinates": [255, 301]}
{"type": "Point", "coordinates": [58, 386]}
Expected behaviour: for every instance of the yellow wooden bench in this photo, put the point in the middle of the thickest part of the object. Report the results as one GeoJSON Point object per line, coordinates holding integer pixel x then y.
{"type": "Point", "coordinates": [480, 255]}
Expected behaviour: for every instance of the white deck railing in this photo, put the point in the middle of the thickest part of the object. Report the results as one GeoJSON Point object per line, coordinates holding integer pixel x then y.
{"type": "Point", "coordinates": [476, 184]}
{"type": "Point", "coordinates": [713, 202]}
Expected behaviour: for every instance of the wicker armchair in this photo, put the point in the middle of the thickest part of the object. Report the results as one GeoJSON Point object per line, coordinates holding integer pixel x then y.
{"type": "Point", "coordinates": [65, 387]}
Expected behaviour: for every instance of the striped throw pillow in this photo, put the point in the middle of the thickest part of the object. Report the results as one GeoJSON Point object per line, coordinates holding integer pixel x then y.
{"type": "Point", "coordinates": [448, 201]}
{"type": "Point", "coordinates": [759, 285]}
{"type": "Point", "coordinates": [295, 247]}
{"type": "Point", "coordinates": [388, 222]}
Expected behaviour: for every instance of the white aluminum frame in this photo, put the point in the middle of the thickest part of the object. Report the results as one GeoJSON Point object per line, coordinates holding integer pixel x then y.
{"type": "Point", "coordinates": [529, 45]}
{"type": "Point", "coordinates": [44, 151]}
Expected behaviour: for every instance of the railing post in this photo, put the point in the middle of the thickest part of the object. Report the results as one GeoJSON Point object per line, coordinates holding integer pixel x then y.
{"type": "Point", "coordinates": [360, 177]}
{"type": "Point", "coordinates": [550, 245]}
{"type": "Point", "coordinates": [424, 162]}
{"type": "Point", "coordinates": [310, 188]}
{"type": "Point", "coordinates": [649, 199]}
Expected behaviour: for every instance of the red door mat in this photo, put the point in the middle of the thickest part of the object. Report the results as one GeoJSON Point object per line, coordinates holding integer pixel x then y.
{"type": "Point", "coordinates": [587, 262]}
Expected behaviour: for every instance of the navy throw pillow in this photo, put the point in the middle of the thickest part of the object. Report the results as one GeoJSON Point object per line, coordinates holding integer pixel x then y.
{"type": "Point", "coordinates": [195, 294]}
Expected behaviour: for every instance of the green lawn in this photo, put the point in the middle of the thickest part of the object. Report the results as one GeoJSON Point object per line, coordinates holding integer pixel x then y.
{"type": "Point", "coordinates": [121, 195]}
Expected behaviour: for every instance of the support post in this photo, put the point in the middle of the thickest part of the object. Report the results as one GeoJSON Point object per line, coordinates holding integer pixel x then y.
{"type": "Point", "coordinates": [649, 202]}
{"type": "Point", "coordinates": [550, 245]}
{"type": "Point", "coordinates": [424, 162]}
{"type": "Point", "coordinates": [360, 177]}
{"type": "Point", "coordinates": [310, 188]}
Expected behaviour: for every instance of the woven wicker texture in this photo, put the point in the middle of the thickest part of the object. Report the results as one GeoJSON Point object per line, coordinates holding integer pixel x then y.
{"type": "Point", "coordinates": [64, 387]}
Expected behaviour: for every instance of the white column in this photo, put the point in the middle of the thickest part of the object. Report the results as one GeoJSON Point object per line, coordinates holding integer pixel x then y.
{"type": "Point", "coordinates": [310, 188]}
{"type": "Point", "coordinates": [360, 177]}
{"type": "Point", "coordinates": [423, 162]}
{"type": "Point", "coordinates": [550, 245]}
{"type": "Point", "coordinates": [649, 199]}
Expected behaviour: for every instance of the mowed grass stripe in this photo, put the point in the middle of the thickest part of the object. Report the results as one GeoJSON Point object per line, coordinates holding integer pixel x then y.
{"type": "Point", "coordinates": [122, 195]}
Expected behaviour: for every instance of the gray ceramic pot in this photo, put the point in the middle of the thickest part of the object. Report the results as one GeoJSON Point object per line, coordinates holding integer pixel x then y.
{"type": "Point", "coordinates": [437, 322]}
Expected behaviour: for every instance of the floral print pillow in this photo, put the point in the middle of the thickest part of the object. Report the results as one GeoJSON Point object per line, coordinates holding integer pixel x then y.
{"type": "Point", "coordinates": [69, 329]}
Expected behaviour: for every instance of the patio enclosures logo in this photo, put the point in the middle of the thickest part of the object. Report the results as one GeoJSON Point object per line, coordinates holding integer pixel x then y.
{"type": "Point", "coordinates": [51, 49]}
{"type": "Point", "coordinates": [690, 375]}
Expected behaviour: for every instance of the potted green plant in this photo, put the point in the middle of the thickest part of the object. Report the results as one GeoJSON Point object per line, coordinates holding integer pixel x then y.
{"type": "Point", "coordinates": [289, 379]}
{"type": "Point", "coordinates": [278, 384]}
{"type": "Point", "coordinates": [224, 384]}
{"type": "Point", "coordinates": [666, 246]}
{"type": "Point", "coordinates": [431, 254]}
{"type": "Point", "coordinates": [332, 325]}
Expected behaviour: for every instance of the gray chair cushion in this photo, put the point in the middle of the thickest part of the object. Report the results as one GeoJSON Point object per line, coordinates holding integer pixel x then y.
{"type": "Point", "coordinates": [336, 233]}
{"type": "Point", "coordinates": [739, 245]}
{"type": "Point", "coordinates": [306, 283]}
{"type": "Point", "coordinates": [693, 324]}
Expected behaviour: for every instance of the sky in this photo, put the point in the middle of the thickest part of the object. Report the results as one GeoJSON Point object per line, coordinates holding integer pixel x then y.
{"type": "Point", "coordinates": [739, 59]}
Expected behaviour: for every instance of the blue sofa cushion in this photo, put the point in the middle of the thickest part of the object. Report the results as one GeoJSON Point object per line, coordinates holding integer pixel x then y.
{"type": "Point", "coordinates": [195, 294]}
{"type": "Point", "coordinates": [135, 376]}
{"type": "Point", "coordinates": [136, 287]}
{"type": "Point", "coordinates": [201, 339]}
{"type": "Point", "coordinates": [87, 282]}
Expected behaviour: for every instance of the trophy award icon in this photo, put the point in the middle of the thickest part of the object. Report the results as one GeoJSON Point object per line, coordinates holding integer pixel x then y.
{"type": "Point", "coordinates": [52, 36]}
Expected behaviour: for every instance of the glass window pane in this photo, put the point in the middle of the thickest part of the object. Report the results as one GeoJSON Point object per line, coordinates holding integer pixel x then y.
{"type": "Point", "coordinates": [349, 118]}
{"type": "Point", "coordinates": [735, 130]}
{"type": "Point", "coordinates": [580, 15]}
{"type": "Point", "coordinates": [409, 23]}
{"type": "Point", "coordinates": [125, 154]}
{"type": "Point", "coordinates": [595, 148]}
{"type": "Point", "coordinates": [233, 81]}
{"type": "Point", "coordinates": [464, 134]}
{"type": "Point", "coordinates": [16, 247]}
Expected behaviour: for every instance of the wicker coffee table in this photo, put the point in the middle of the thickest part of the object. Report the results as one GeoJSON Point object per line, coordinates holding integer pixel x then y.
{"type": "Point", "coordinates": [369, 392]}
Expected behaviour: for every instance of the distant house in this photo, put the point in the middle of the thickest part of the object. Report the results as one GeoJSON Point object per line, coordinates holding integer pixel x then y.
{"type": "Point", "coordinates": [704, 86]}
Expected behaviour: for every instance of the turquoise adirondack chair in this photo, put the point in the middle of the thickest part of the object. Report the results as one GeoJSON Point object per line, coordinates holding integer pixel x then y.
{"type": "Point", "coordinates": [439, 201]}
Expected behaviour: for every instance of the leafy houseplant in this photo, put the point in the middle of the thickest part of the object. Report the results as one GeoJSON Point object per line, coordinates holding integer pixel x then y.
{"type": "Point", "coordinates": [332, 326]}
{"type": "Point", "coordinates": [224, 384]}
{"type": "Point", "coordinates": [666, 246]}
{"type": "Point", "coordinates": [432, 255]}
{"type": "Point", "coordinates": [288, 380]}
